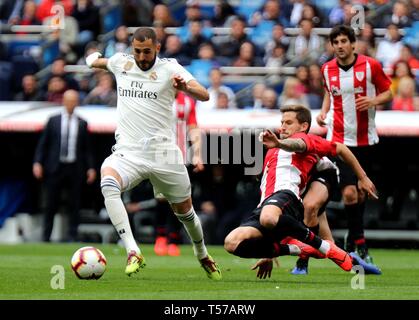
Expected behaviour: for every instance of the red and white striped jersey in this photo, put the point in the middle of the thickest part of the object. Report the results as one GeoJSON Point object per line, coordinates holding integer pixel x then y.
{"type": "Point", "coordinates": [283, 170]}
{"type": "Point", "coordinates": [185, 116]}
{"type": "Point", "coordinates": [365, 78]}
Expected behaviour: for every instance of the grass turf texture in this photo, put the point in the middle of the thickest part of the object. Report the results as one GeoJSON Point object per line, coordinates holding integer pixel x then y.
{"type": "Point", "coordinates": [25, 273]}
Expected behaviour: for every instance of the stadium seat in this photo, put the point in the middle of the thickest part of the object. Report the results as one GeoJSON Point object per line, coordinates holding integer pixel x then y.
{"type": "Point", "coordinates": [6, 71]}
{"type": "Point", "coordinates": [111, 18]}
{"type": "Point", "coordinates": [246, 8]}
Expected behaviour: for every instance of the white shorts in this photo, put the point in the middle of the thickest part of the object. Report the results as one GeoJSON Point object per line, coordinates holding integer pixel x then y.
{"type": "Point", "coordinates": [169, 179]}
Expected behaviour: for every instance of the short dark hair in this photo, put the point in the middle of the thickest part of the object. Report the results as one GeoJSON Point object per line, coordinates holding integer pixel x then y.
{"type": "Point", "coordinates": [303, 114]}
{"type": "Point", "coordinates": [342, 30]}
{"type": "Point", "coordinates": [144, 33]}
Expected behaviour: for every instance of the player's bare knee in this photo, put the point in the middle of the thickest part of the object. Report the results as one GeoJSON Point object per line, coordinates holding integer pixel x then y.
{"type": "Point", "coordinates": [268, 221]}
{"type": "Point", "coordinates": [350, 195]}
{"type": "Point", "coordinates": [311, 209]}
{"type": "Point", "coordinates": [232, 240]}
{"type": "Point", "coordinates": [182, 207]}
{"type": "Point", "coordinates": [110, 187]}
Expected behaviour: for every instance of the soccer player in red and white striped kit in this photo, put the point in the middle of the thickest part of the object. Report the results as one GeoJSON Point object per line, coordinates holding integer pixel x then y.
{"type": "Point", "coordinates": [355, 84]}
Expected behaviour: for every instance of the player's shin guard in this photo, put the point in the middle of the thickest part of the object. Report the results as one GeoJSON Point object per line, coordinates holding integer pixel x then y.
{"type": "Point", "coordinates": [289, 226]}
{"type": "Point", "coordinates": [111, 191]}
{"type": "Point", "coordinates": [355, 216]}
{"type": "Point", "coordinates": [260, 248]}
{"type": "Point", "coordinates": [193, 227]}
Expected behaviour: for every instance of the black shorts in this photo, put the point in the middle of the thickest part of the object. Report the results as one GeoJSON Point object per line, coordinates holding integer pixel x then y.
{"type": "Point", "coordinates": [365, 156]}
{"type": "Point", "coordinates": [283, 199]}
{"type": "Point", "coordinates": [329, 178]}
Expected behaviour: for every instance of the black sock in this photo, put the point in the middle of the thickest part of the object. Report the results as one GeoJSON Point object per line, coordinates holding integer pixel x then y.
{"type": "Point", "coordinates": [289, 226]}
{"type": "Point", "coordinates": [355, 216]}
{"type": "Point", "coordinates": [261, 248]}
{"type": "Point", "coordinates": [315, 229]}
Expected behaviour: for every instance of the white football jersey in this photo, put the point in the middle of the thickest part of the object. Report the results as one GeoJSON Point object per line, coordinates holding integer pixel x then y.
{"type": "Point", "coordinates": [145, 101]}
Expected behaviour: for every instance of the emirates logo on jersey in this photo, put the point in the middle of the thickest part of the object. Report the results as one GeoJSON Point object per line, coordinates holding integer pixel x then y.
{"type": "Point", "coordinates": [153, 76]}
{"type": "Point", "coordinates": [360, 75]}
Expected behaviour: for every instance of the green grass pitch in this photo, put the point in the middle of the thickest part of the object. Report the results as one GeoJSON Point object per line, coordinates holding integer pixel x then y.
{"type": "Point", "coordinates": [25, 273]}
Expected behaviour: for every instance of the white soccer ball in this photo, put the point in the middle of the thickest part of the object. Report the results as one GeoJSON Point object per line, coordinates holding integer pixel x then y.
{"type": "Point", "coordinates": [88, 263]}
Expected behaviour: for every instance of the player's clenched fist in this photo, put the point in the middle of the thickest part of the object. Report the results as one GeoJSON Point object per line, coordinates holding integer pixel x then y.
{"type": "Point", "coordinates": [178, 82]}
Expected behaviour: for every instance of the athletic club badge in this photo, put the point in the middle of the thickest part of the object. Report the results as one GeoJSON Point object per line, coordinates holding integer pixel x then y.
{"type": "Point", "coordinates": [359, 75]}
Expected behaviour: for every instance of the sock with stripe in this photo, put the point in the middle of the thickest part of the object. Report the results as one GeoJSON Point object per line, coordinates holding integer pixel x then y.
{"type": "Point", "coordinates": [111, 191]}
{"type": "Point", "coordinates": [193, 227]}
{"type": "Point", "coordinates": [289, 226]}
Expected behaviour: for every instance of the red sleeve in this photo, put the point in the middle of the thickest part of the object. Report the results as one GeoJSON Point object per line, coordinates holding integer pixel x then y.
{"type": "Point", "coordinates": [316, 144]}
{"type": "Point", "coordinates": [192, 113]}
{"type": "Point", "coordinates": [379, 78]}
{"type": "Point", "coordinates": [324, 79]}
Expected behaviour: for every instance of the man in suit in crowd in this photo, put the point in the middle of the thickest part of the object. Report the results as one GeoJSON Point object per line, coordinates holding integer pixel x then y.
{"type": "Point", "coordinates": [64, 159]}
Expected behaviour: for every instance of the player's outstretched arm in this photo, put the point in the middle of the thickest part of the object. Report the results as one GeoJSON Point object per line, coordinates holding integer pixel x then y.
{"type": "Point", "coordinates": [270, 140]}
{"type": "Point", "coordinates": [94, 60]}
{"type": "Point", "coordinates": [192, 88]}
{"type": "Point", "coordinates": [364, 183]}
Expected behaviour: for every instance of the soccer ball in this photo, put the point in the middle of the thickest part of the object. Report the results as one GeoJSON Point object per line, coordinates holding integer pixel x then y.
{"type": "Point", "coordinates": [88, 263]}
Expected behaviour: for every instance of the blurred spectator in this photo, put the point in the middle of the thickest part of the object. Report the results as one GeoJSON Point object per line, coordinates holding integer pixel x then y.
{"type": "Point", "coordinates": [302, 74]}
{"type": "Point", "coordinates": [406, 54]}
{"type": "Point", "coordinates": [271, 11]}
{"type": "Point", "coordinates": [414, 11]}
{"type": "Point", "coordinates": [193, 12]}
{"type": "Point", "coordinates": [119, 43]}
{"type": "Point", "coordinates": [88, 18]}
{"type": "Point", "coordinates": [56, 88]}
{"type": "Point", "coordinates": [222, 100]}
{"type": "Point", "coordinates": [293, 94]}
{"type": "Point", "coordinates": [104, 93]}
{"type": "Point", "coordinates": [401, 69]}
{"type": "Point", "coordinates": [278, 57]}
{"type": "Point", "coordinates": [310, 12]}
{"type": "Point", "coordinates": [363, 47]}
{"type": "Point", "coordinates": [399, 16]}
{"type": "Point", "coordinates": [28, 15]}
{"type": "Point", "coordinates": [367, 34]}
{"type": "Point", "coordinates": [315, 80]}
{"type": "Point", "coordinates": [162, 14]}
{"type": "Point", "coordinates": [58, 69]}
{"type": "Point", "coordinates": [161, 34]}
{"type": "Point", "coordinates": [64, 161]}
{"type": "Point", "coordinates": [337, 14]}
{"type": "Point", "coordinates": [269, 99]}
{"type": "Point", "coordinates": [223, 14]}
{"type": "Point", "coordinates": [194, 40]}
{"type": "Point", "coordinates": [389, 49]}
{"type": "Point", "coordinates": [327, 54]}
{"type": "Point", "coordinates": [44, 8]}
{"type": "Point", "coordinates": [216, 78]}
{"type": "Point", "coordinates": [307, 47]}
{"type": "Point", "coordinates": [201, 67]}
{"type": "Point", "coordinates": [67, 37]}
{"type": "Point", "coordinates": [406, 98]}
{"type": "Point", "coordinates": [30, 90]}
{"type": "Point", "coordinates": [10, 11]}
{"type": "Point", "coordinates": [229, 46]}
{"type": "Point", "coordinates": [251, 98]}
{"type": "Point", "coordinates": [247, 56]}
{"type": "Point", "coordinates": [278, 38]}
{"type": "Point", "coordinates": [296, 12]}
{"type": "Point", "coordinates": [137, 12]}
{"type": "Point", "coordinates": [174, 50]}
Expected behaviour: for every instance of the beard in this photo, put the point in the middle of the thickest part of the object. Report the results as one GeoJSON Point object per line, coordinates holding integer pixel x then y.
{"type": "Point", "coordinates": [148, 64]}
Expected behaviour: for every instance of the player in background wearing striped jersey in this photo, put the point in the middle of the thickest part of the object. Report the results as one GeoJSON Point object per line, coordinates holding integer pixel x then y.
{"type": "Point", "coordinates": [168, 228]}
{"type": "Point", "coordinates": [276, 227]}
{"type": "Point", "coordinates": [145, 148]}
{"type": "Point", "coordinates": [355, 84]}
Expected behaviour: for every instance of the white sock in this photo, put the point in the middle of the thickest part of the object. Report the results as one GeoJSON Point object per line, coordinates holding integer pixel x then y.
{"type": "Point", "coordinates": [193, 227]}
{"type": "Point", "coordinates": [324, 247]}
{"type": "Point", "coordinates": [117, 212]}
{"type": "Point", "coordinates": [294, 250]}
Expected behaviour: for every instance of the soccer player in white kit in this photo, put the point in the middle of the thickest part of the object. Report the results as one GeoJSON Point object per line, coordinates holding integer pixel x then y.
{"type": "Point", "coordinates": [145, 146]}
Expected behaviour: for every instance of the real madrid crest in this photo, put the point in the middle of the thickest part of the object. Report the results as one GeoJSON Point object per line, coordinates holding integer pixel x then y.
{"type": "Point", "coordinates": [153, 75]}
